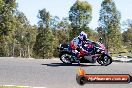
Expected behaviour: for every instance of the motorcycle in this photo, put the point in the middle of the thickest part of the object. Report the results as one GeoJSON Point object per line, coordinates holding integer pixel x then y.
{"type": "Point", "coordinates": [98, 54]}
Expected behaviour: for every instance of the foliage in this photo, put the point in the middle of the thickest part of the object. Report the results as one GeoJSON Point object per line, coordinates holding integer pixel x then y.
{"type": "Point", "coordinates": [80, 16]}
{"type": "Point", "coordinates": [127, 35]}
{"type": "Point", "coordinates": [109, 22]}
{"type": "Point", "coordinates": [7, 8]}
{"type": "Point", "coordinates": [44, 40]}
{"type": "Point", "coordinates": [20, 39]}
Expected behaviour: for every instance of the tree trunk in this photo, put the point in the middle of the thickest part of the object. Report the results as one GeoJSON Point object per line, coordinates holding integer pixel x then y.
{"type": "Point", "coordinates": [20, 53]}
{"type": "Point", "coordinates": [13, 49]}
{"type": "Point", "coordinates": [28, 52]}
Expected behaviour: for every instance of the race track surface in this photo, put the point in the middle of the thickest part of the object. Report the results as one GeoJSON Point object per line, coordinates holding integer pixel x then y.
{"type": "Point", "coordinates": [51, 73]}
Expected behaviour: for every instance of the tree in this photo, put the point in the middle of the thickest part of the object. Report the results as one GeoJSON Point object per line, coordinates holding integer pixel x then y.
{"type": "Point", "coordinates": [54, 21]}
{"type": "Point", "coordinates": [101, 34]}
{"type": "Point", "coordinates": [22, 37]}
{"type": "Point", "coordinates": [109, 22]}
{"type": "Point", "coordinates": [60, 29]}
{"type": "Point", "coordinates": [45, 18]}
{"type": "Point", "coordinates": [44, 40]}
{"type": "Point", "coordinates": [7, 8]}
{"type": "Point", "coordinates": [127, 35]}
{"type": "Point", "coordinates": [31, 39]}
{"type": "Point", "coordinates": [19, 44]}
{"type": "Point", "coordinates": [80, 16]}
{"type": "Point", "coordinates": [64, 27]}
{"type": "Point", "coordinates": [6, 16]}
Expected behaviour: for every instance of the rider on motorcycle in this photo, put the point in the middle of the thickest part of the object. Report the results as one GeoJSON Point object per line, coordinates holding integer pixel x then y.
{"type": "Point", "coordinates": [78, 44]}
{"type": "Point", "coordinates": [100, 42]}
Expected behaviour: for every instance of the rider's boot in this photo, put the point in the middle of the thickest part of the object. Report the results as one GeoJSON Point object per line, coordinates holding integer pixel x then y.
{"type": "Point", "coordinates": [75, 57]}
{"type": "Point", "coordinates": [78, 57]}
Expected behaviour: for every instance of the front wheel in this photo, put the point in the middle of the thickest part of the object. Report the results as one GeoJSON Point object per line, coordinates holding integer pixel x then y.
{"type": "Point", "coordinates": [104, 60]}
{"type": "Point", "coordinates": [65, 58]}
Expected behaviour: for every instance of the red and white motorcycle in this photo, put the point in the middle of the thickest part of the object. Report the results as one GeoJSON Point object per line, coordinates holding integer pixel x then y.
{"type": "Point", "coordinates": [98, 53]}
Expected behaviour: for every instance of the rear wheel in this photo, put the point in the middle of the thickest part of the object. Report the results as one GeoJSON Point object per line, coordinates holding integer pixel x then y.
{"type": "Point", "coordinates": [105, 60]}
{"type": "Point", "coordinates": [65, 58]}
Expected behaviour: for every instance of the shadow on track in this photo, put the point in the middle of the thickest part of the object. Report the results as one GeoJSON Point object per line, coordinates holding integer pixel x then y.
{"type": "Point", "coordinates": [62, 64]}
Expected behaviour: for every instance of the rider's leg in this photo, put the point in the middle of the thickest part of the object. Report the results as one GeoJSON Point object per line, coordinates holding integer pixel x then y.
{"type": "Point", "coordinates": [77, 55]}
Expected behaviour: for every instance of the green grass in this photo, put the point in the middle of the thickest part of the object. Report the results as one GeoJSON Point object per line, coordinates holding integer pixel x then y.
{"type": "Point", "coordinates": [12, 87]}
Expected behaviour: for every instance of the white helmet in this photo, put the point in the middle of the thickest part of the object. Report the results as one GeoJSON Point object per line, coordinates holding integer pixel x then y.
{"type": "Point", "coordinates": [83, 36]}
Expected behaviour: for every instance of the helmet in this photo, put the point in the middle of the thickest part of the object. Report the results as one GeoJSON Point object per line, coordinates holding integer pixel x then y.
{"type": "Point", "coordinates": [83, 36]}
{"type": "Point", "coordinates": [100, 40]}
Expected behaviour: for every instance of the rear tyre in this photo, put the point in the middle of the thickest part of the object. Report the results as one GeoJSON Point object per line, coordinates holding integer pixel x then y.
{"type": "Point", "coordinates": [105, 60]}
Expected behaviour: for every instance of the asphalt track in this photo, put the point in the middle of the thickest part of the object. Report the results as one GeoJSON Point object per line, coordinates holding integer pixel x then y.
{"type": "Point", "coordinates": [53, 74]}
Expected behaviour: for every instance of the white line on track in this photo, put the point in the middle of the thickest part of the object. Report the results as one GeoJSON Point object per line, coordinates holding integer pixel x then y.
{"type": "Point", "coordinates": [55, 59]}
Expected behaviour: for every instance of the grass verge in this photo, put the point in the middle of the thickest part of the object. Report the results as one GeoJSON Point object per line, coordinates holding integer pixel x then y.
{"type": "Point", "coordinates": [13, 87]}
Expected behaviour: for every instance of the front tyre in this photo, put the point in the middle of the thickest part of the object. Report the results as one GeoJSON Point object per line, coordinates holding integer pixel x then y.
{"type": "Point", "coordinates": [105, 60]}
{"type": "Point", "coordinates": [65, 57]}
